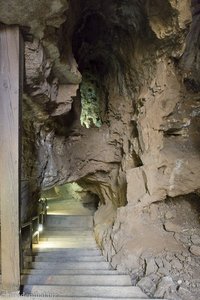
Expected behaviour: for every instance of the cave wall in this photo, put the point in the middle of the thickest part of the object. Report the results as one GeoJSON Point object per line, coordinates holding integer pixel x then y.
{"type": "Point", "coordinates": [143, 61]}
{"type": "Point", "coordinates": [162, 133]}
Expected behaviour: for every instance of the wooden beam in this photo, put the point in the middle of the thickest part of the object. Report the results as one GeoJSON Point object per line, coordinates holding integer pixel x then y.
{"type": "Point", "coordinates": [10, 94]}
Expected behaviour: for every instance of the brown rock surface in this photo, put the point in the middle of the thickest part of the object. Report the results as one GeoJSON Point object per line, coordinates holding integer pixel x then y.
{"type": "Point", "coordinates": [143, 62]}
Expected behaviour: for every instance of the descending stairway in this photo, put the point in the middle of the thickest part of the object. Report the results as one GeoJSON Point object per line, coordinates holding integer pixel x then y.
{"type": "Point", "coordinates": [67, 264]}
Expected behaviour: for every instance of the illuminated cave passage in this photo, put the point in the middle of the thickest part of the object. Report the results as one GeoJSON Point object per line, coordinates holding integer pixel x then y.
{"type": "Point", "coordinates": [110, 131]}
{"type": "Point", "coordinates": [70, 199]}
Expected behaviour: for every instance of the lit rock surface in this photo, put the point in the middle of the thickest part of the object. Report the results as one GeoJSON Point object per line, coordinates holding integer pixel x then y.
{"type": "Point", "coordinates": [142, 163]}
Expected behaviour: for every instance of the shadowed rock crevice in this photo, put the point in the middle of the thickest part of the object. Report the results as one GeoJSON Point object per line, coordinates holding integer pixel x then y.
{"type": "Point", "coordinates": [190, 61]}
{"type": "Point", "coordinates": [112, 103]}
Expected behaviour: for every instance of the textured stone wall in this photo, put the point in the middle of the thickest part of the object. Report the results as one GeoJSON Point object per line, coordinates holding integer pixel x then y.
{"type": "Point", "coordinates": [144, 59]}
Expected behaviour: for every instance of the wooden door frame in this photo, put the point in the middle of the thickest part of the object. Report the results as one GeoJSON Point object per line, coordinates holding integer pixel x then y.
{"type": "Point", "coordinates": [11, 80]}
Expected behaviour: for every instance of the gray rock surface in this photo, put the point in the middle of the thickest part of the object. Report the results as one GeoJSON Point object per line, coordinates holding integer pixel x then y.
{"type": "Point", "coordinates": [195, 250]}
{"type": "Point", "coordinates": [164, 286]}
{"type": "Point", "coordinates": [142, 163]}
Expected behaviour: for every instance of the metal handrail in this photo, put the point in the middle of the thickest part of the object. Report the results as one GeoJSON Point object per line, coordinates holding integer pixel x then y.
{"type": "Point", "coordinates": [34, 233]}
{"type": "Point", "coordinates": [25, 225]}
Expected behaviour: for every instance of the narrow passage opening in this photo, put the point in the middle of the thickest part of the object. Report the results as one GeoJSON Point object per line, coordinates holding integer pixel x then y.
{"type": "Point", "coordinates": [70, 199]}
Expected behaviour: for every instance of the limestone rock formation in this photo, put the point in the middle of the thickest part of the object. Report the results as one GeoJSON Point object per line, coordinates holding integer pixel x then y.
{"type": "Point", "coordinates": [137, 145]}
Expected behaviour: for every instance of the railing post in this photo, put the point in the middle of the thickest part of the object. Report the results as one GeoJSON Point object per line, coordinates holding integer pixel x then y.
{"type": "Point", "coordinates": [45, 214]}
{"type": "Point", "coordinates": [38, 233]}
{"type": "Point", "coordinates": [31, 236]}
{"type": "Point", "coordinates": [21, 253]}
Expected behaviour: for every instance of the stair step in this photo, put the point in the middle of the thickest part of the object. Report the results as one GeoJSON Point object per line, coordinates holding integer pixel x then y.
{"type": "Point", "coordinates": [66, 229]}
{"type": "Point", "coordinates": [63, 259]}
{"type": "Point", "coordinates": [88, 280]}
{"type": "Point", "coordinates": [66, 232]}
{"type": "Point", "coordinates": [68, 272]}
{"type": "Point", "coordinates": [68, 235]}
{"type": "Point", "coordinates": [67, 252]}
{"type": "Point", "coordinates": [63, 237]}
{"type": "Point", "coordinates": [11, 297]}
{"type": "Point", "coordinates": [69, 221]}
{"type": "Point", "coordinates": [65, 244]}
{"type": "Point", "coordinates": [85, 291]}
{"type": "Point", "coordinates": [70, 265]}
{"type": "Point", "coordinates": [76, 239]}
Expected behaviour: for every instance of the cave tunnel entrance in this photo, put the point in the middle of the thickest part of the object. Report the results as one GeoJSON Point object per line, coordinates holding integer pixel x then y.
{"type": "Point", "coordinates": [69, 221]}
{"type": "Point", "coordinates": [70, 199]}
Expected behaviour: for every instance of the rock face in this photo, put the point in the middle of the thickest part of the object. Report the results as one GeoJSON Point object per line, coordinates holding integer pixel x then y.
{"type": "Point", "coordinates": [137, 144]}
